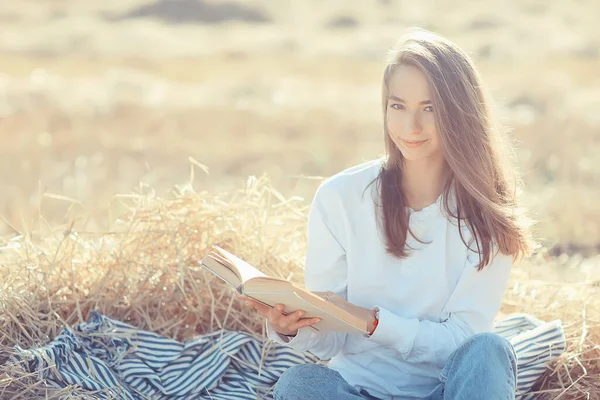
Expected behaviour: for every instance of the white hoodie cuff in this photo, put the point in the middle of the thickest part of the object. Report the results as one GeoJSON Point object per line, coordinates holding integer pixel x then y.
{"type": "Point", "coordinates": [394, 331]}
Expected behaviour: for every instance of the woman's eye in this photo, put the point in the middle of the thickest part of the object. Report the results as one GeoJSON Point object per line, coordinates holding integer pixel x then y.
{"type": "Point", "coordinates": [429, 109]}
{"type": "Point", "coordinates": [397, 106]}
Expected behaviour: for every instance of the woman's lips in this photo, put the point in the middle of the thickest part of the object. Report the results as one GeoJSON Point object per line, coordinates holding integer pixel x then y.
{"type": "Point", "coordinates": [413, 143]}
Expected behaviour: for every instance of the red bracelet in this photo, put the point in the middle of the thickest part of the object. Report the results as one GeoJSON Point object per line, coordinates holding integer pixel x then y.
{"type": "Point", "coordinates": [374, 326]}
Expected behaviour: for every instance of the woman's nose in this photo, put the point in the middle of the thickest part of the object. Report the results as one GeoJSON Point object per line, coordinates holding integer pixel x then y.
{"type": "Point", "coordinates": [414, 124]}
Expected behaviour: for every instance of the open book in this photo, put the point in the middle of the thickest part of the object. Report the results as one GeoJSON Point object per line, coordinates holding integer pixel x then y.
{"type": "Point", "coordinates": [250, 282]}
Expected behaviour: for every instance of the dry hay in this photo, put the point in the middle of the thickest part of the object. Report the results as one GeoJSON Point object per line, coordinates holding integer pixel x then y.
{"type": "Point", "coordinates": [142, 272]}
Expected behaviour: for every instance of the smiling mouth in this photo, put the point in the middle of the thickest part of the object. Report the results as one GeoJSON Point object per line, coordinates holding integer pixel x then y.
{"type": "Point", "coordinates": [413, 143]}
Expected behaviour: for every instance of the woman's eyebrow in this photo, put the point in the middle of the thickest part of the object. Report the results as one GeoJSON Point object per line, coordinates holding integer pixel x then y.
{"type": "Point", "coordinates": [399, 100]}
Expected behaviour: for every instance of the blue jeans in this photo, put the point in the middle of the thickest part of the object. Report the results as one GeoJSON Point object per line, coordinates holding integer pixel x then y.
{"type": "Point", "coordinates": [483, 367]}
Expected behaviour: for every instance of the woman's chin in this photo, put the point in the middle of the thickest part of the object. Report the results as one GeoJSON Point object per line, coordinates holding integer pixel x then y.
{"type": "Point", "coordinates": [417, 154]}
{"type": "Point", "coordinates": [413, 154]}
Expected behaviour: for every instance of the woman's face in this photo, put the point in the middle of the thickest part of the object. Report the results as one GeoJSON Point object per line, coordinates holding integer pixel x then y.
{"type": "Point", "coordinates": [409, 115]}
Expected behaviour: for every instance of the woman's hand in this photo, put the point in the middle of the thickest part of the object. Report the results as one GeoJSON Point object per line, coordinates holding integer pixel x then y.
{"type": "Point", "coordinates": [283, 324]}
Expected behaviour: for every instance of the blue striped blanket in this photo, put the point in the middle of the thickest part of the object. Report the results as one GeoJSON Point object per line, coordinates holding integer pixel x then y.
{"type": "Point", "coordinates": [110, 359]}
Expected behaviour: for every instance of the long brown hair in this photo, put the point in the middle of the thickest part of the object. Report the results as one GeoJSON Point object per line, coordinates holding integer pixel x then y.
{"type": "Point", "coordinates": [481, 174]}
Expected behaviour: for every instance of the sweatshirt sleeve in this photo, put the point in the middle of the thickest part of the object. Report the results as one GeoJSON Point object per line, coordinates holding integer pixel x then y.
{"type": "Point", "coordinates": [471, 309]}
{"type": "Point", "coordinates": [325, 270]}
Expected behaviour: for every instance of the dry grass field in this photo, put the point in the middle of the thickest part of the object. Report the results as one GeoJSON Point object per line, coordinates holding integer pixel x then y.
{"type": "Point", "coordinates": [101, 102]}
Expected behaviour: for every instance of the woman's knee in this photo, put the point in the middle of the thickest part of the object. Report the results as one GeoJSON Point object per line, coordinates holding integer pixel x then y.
{"type": "Point", "coordinates": [297, 381]}
{"type": "Point", "coordinates": [491, 345]}
{"type": "Point", "coordinates": [485, 363]}
{"type": "Point", "coordinates": [491, 342]}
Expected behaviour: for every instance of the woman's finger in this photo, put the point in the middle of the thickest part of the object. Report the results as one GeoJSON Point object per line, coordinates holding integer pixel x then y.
{"type": "Point", "coordinates": [301, 323]}
{"type": "Point", "coordinates": [292, 318]}
{"type": "Point", "coordinates": [275, 314]}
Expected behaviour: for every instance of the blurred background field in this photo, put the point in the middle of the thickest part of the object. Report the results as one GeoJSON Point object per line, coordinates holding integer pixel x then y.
{"type": "Point", "coordinates": [101, 99]}
{"type": "Point", "coordinates": [97, 97]}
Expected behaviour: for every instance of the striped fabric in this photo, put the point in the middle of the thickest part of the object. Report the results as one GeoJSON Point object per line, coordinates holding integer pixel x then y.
{"type": "Point", "coordinates": [536, 343]}
{"type": "Point", "coordinates": [113, 360]}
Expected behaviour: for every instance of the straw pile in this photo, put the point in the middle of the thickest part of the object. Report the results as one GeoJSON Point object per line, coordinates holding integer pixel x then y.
{"type": "Point", "coordinates": [141, 272]}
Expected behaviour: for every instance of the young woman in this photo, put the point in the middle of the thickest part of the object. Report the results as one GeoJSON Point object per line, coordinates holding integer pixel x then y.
{"type": "Point", "coordinates": [420, 242]}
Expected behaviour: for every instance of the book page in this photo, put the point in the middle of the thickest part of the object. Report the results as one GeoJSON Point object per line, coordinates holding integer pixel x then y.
{"type": "Point", "coordinates": [245, 270]}
{"type": "Point", "coordinates": [222, 271]}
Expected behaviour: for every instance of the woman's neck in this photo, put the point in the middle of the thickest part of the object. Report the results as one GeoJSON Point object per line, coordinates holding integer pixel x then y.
{"type": "Point", "coordinates": [423, 181]}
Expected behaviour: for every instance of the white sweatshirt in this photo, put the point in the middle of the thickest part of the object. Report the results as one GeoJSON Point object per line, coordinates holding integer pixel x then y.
{"type": "Point", "coordinates": [429, 302]}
